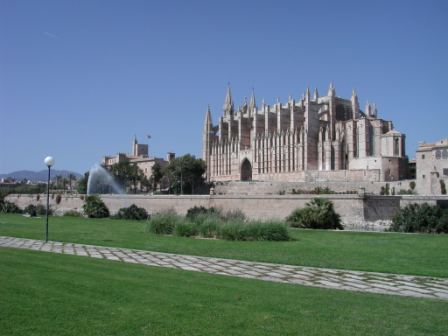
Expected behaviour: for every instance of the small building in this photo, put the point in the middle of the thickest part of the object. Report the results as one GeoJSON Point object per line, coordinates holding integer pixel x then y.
{"type": "Point", "coordinates": [140, 157]}
{"type": "Point", "coordinates": [432, 167]}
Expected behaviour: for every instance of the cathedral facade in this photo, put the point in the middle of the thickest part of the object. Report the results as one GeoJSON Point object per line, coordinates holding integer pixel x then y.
{"type": "Point", "coordinates": [317, 138]}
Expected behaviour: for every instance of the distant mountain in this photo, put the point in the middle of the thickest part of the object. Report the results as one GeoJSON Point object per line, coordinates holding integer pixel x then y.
{"type": "Point", "coordinates": [40, 176]}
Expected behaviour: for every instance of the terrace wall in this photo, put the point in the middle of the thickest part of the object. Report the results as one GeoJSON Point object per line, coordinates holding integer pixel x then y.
{"type": "Point", "coordinates": [358, 212]}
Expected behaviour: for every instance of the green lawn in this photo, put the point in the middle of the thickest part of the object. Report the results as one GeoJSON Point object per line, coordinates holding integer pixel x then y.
{"type": "Point", "coordinates": [419, 254]}
{"type": "Point", "coordinates": [51, 294]}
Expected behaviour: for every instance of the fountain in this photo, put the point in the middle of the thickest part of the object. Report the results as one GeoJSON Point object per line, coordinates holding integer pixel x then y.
{"type": "Point", "coordinates": [102, 182]}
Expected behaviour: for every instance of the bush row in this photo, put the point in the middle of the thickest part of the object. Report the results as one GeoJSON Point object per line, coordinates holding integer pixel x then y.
{"type": "Point", "coordinates": [32, 210]}
{"type": "Point", "coordinates": [420, 218]}
{"type": "Point", "coordinates": [211, 223]}
{"type": "Point", "coordinates": [94, 207]}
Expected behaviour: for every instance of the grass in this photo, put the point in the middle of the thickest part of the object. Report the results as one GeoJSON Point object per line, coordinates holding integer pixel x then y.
{"type": "Point", "coordinates": [418, 254]}
{"type": "Point", "coordinates": [51, 294]}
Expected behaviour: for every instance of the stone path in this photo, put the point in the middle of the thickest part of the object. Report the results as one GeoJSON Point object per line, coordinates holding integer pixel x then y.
{"type": "Point", "coordinates": [393, 284]}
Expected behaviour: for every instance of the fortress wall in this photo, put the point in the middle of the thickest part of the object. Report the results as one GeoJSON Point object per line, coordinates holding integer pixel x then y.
{"type": "Point", "coordinates": [378, 208]}
{"type": "Point", "coordinates": [276, 187]}
{"type": "Point", "coordinates": [357, 212]}
{"type": "Point", "coordinates": [350, 207]}
{"type": "Point", "coordinates": [372, 175]}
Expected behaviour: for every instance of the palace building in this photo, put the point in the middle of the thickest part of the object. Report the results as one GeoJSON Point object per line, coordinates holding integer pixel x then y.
{"type": "Point", "coordinates": [316, 138]}
{"type": "Point", "coordinates": [138, 156]}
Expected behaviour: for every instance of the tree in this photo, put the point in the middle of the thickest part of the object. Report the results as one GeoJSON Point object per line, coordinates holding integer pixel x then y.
{"type": "Point", "coordinates": [146, 183]}
{"type": "Point", "coordinates": [157, 174]}
{"type": "Point", "coordinates": [127, 174]}
{"type": "Point", "coordinates": [81, 187]}
{"type": "Point", "coordinates": [65, 182]}
{"type": "Point", "coordinates": [59, 179]}
{"type": "Point", "coordinates": [71, 178]}
{"type": "Point", "coordinates": [187, 173]}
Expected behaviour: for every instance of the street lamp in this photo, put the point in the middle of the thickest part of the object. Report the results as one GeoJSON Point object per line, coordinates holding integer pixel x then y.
{"type": "Point", "coordinates": [49, 161]}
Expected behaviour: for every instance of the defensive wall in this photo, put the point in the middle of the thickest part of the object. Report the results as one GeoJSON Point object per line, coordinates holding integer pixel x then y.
{"type": "Point", "coordinates": [278, 187]}
{"type": "Point", "coordinates": [357, 211]}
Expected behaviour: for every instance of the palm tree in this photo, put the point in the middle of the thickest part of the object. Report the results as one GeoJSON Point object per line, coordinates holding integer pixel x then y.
{"type": "Point", "coordinates": [64, 183]}
{"type": "Point", "coordinates": [71, 177]}
{"type": "Point", "coordinates": [58, 181]}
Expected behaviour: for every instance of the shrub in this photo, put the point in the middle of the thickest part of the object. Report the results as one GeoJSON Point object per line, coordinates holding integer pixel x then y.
{"type": "Point", "coordinates": [164, 222]}
{"type": "Point", "coordinates": [405, 192]}
{"type": "Point", "coordinates": [237, 230]}
{"type": "Point", "coordinates": [417, 218]}
{"type": "Point", "coordinates": [318, 214]}
{"type": "Point", "coordinates": [295, 218]}
{"type": "Point", "coordinates": [186, 229]}
{"type": "Point", "coordinates": [72, 213]}
{"type": "Point", "coordinates": [385, 190]}
{"type": "Point", "coordinates": [442, 225]}
{"type": "Point", "coordinates": [8, 207]}
{"type": "Point", "coordinates": [268, 231]}
{"type": "Point", "coordinates": [196, 211]}
{"type": "Point", "coordinates": [58, 198]}
{"type": "Point", "coordinates": [233, 215]}
{"type": "Point", "coordinates": [210, 223]}
{"type": "Point", "coordinates": [41, 210]}
{"type": "Point", "coordinates": [36, 210]}
{"type": "Point", "coordinates": [132, 212]}
{"type": "Point", "coordinates": [209, 227]}
{"type": "Point", "coordinates": [94, 207]}
{"type": "Point", "coordinates": [233, 231]}
{"type": "Point", "coordinates": [320, 190]}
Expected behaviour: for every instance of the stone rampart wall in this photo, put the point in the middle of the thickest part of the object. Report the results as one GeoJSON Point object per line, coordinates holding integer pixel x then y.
{"type": "Point", "coordinates": [357, 212]}
{"type": "Point", "coordinates": [362, 175]}
{"type": "Point", "coordinates": [350, 207]}
{"type": "Point", "coordinates": [276, 188]}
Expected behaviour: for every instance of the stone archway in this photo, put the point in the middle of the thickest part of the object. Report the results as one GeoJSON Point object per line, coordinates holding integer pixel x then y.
{"type": "Point", "coordinates": [246, 170]}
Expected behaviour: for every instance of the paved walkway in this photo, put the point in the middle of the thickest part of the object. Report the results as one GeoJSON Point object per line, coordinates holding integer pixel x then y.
{"type": "Point", "coordinates": [393, 284]}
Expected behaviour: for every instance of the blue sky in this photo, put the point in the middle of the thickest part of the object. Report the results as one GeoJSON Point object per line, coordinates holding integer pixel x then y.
{"type": "Point", "coordinates": [79, 78]}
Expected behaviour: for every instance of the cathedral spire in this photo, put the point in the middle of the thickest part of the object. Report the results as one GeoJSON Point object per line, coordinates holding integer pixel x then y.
{"type": "Point", "coordinates": [134, 145]}
{"type": "Point", "coordinates": [252, 103]}
{"type": "Point", "coordinates": [354, 96]}
{"type": "Point", "coordinates": [208, 116]}
{"type": "Point", "coordinates": [228, 102]}
{"type": "Point", "coordinates": [331, 91]}
{"type": "Point", "coordinates": [355, 105]}
{"type": "Point", "coordinates": [374, 110]}
{"type": "Point", "coordinates": [307, 94]}
{"type": "Point", "coordinates": [367, 108]}
{"type": "Point", "coordinates": [206, 140]}
{"type": "Point", "coordinates": [315, 95]}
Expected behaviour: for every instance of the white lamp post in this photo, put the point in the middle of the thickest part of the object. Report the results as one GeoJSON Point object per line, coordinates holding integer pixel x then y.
{"type": "Point", "coordinates": [49, 161]}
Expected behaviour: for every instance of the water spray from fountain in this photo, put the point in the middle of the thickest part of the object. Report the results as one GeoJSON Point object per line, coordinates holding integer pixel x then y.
{"type": "Point", "coordinates": [102, 182]}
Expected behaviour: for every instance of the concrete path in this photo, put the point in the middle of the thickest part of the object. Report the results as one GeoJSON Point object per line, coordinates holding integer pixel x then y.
{"type": "Point", "coordinates": [393, 284]}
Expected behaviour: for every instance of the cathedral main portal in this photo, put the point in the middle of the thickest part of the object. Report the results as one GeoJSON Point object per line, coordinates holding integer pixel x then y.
{"type": "Point", "coordinates": [246, 171]}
